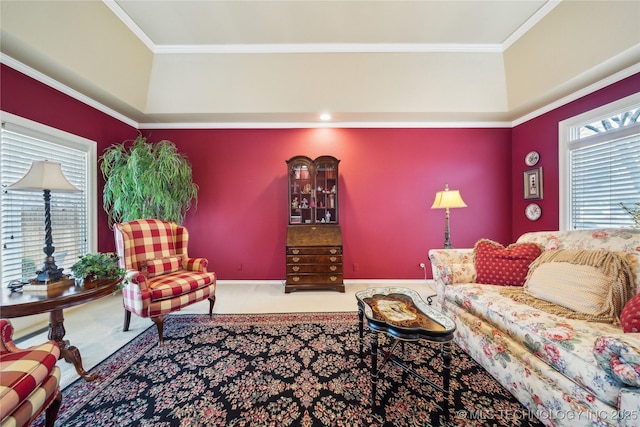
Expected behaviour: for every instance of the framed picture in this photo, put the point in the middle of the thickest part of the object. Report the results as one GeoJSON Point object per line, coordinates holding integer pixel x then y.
{"type": "Point", "coordinates": [533, 183]}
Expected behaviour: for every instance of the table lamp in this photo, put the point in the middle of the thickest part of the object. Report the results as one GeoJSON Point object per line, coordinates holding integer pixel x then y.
{"type": "Point", "coordinates": [448, 199]}
{"type": "Point", "coordinates": [46, 176]}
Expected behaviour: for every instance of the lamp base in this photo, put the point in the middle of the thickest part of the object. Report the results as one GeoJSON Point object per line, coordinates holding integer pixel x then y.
{"type": "Point", "coordinates": [50, 271]}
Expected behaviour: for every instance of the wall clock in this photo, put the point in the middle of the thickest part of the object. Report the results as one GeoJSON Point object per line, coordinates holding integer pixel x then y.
{"type": "Point", "coordinates": [533, 211]}
{"type": "Point", "coordinates": [531, 158]}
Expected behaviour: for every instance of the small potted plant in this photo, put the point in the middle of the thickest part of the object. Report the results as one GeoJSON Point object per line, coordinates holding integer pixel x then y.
{"type": "Point", "coordinates": [98, 266]}
{"type": "Point", "coordinates": [634, 212]}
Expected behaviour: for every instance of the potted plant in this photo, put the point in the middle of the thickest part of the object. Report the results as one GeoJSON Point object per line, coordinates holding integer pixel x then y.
{"type": "Point", "coordinates": [144, 180]}
{"type": "Point", "coordinates": [97, 266]}
{"type": "Point", "coordinates": [634, 212]}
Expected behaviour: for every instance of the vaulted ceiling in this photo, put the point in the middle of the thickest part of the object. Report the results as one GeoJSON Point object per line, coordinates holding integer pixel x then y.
{"type": "Point", "coordinates": [282, 63]}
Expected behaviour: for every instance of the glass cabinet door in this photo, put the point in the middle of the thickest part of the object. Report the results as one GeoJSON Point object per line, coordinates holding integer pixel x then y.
{"type": "Point", "coordinates": [313, 190]}
{"type": "Point", "coordinates": [326, 195]}
{"type": "Point", "coordinates": [300, 192]}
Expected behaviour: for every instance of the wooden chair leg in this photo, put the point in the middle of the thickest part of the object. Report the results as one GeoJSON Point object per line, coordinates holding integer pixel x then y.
{"type": "Point", "coordinates": [52, 411]}
{"type": "Point", "coordinates": [159, 321]}
{"type": "Point", "coordinates": [212, 300]}
{"type": "Point", "coordinates": [127, 320]}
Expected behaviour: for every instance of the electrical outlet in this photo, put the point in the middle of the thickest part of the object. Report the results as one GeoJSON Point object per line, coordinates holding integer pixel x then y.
{"type": "Point", "coordinates": [239, 267]}
{"type": "Point", "coordinates": [356, 267]}
{"type": "Point", "coordinates": [422, 265]}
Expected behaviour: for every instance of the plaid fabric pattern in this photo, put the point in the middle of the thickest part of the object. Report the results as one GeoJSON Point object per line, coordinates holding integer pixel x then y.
{"type": "Point", "coordinates": [167, 306]}
{"type": "Point", "coordinates": [173, 285]}
{"type": "Point", "coordinates": [144, 239]}
{"type": "Point", "coordinates": [161, 276]}
{"type": "Point", "coordinates": [29, 379]}
{"type": "Point", "coordinates": [160, 266]}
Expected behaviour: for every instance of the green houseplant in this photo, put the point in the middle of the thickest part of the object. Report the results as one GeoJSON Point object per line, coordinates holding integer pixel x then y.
{"type": "Point", "coordinates": [97, 266]}
{"type": "Point", "coordinates": [634, 212]}
{"type": "Point", "coordinates": [144, 180]}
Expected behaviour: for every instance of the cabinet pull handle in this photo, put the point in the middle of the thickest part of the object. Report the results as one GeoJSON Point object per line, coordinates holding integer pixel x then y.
{"type": "Point", "coordinates": [333, 267]}
{"type": "Point", "coordinates": [333, 278]}
{"type": "Point", "coordinates": [295, 259]}
{"type": "Point", "coordinates": [296, 268]}
{"type": "Point", "coordinates": [295, 278]}
{"type": "Point", "coordinates": [333, 251]}
{"type": "Point", "coordinates": [332, 259]}
{"type": "Point", "coordinates": [296, 251]}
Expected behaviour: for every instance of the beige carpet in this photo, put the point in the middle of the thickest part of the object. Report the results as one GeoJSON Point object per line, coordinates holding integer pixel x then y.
{"type": "Point", "coordinates": [96, 328]}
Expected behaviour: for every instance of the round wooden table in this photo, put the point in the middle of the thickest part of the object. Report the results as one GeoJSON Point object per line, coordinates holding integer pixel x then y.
{"type": "Point", "coordinates": [54, 300]}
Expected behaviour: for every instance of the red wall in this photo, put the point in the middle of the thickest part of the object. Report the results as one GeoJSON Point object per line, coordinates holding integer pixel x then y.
{"type": "Point", "coordinates": [388, 179]}
{"type": "Point", "coordinates": [541, 134]}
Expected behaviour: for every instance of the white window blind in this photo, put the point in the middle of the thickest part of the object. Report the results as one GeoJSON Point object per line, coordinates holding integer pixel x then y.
{"type": "Point", "coordinates": [22, 219]}
{"type": "Point", "coordinates": [605, 175]}
{"type": "Point", "coordinates": [601, 166]}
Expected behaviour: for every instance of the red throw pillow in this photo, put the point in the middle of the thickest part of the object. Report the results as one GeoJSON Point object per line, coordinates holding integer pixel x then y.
{"type": "Point", "coordinates": [497, 265]}
{"type": "Point", "coordinates": [630, 315]}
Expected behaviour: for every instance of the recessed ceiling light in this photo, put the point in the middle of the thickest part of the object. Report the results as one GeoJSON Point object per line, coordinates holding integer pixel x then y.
{"type": "Point", "coordinates": [325, 116]}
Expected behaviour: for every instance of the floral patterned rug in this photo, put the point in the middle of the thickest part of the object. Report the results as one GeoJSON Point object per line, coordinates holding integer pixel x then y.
{"type": "Point", "coordinates": [278, 370]}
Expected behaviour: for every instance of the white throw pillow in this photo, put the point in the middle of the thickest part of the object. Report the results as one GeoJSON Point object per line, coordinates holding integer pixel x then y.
{"type": "Point", "coordinates": [580, 288]}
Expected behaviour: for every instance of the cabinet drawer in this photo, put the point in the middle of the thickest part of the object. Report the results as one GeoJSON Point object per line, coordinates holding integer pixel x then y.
{"type": "Point", "coordinates": [298, 279]}
{"type": "Point", "coordinates": [314, 259]}
{"type": "Point", "coordinates": [314, 268]}
{"type": "Point", "coordinates": [314, 250]}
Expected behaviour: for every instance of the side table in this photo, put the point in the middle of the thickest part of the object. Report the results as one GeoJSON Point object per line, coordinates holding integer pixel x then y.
{"type": "Point", "coordinates": [403, 315]}
{"type": "Point", "coordinates": [27, 303]}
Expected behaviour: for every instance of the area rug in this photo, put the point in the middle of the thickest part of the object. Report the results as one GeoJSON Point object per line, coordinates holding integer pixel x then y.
{"type": "Point", "coordinates": [278, 370]}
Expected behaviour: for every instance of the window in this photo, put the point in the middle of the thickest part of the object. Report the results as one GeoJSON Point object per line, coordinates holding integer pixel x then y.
{"type": "Point", "coordinates": [73, 215]}
{"type": "Point", "coordinates": [600, 166]}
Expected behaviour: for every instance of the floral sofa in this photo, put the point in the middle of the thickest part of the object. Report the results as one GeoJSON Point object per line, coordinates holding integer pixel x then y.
{"type": "Point", "coordinates": [565, 371]}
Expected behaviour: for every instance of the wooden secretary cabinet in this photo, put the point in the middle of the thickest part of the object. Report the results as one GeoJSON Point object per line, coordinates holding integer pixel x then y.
{"type": "Point", "coordinates": [314, 238]}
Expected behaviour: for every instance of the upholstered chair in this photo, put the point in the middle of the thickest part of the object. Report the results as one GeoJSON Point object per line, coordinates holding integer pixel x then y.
{"type": "Point", "coordinates": [29, 380]}
{"type": "Point", "coordinates": [161, 277]}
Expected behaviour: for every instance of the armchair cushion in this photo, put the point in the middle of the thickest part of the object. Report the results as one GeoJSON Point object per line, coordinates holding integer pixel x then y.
{"type": "Point", "coordinates": [160, 266]}
{"type": "Point", "coordinates": [179, 283]}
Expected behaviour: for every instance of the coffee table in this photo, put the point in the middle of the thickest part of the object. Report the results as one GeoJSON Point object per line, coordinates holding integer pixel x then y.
{"type": "Point", "coordinates": [403, 315]}
{"type": "Point", "coordinates": [27, 303]}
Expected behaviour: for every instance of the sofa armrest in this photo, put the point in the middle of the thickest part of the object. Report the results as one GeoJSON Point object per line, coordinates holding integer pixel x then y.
{"type": "Point", "coordinates": [451, 266]}
{"type": "Point", "coordinates": [619, 356]}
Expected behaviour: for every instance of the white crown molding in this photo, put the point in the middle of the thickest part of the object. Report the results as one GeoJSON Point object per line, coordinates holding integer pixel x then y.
{"type": "Point", "coordinates": [7, 60]}
{"type": "Point", "coordinates": [329, 48]}
{"type": "Point", "coordinates": [530, 23]}
{"type": "Point", "coordinates": [42, 78]}
{"type": "Point", "coordinates": [324, 125]}
{"type": "Point", "coordinates": [628, 72]}
{"type": "Point", "coordinates": [126, 20]}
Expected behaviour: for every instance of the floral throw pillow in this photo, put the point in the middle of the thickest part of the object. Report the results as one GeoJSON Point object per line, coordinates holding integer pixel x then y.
{"type": "Point", "coordinates": [505, 266]}
{"type": "Point", "coordinates": [619, 357]}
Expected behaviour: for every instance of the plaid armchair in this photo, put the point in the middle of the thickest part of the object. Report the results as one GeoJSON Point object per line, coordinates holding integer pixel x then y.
{"type": "Point", "coordinates": [161, 278]}
{"type": "Point", "coordinates": [29, 381]}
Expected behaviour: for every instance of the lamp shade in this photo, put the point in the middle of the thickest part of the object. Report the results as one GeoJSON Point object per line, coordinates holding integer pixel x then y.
{"type": "Point", "coordinates": [448, 199]}
{"type": "Point", "coordinates": [44, 175]}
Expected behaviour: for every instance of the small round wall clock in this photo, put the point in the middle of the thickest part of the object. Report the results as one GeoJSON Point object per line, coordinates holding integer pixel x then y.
{"type": "Point", "coordinates": [533, 211]}
{"type": "Point", "coordinates": [532, 158]}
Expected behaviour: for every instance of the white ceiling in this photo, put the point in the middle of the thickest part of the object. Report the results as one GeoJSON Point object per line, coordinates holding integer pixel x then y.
{"type": "Point", "coordinates": [211, 63]}
{"type": "Point", "coordinates": [200, 23]}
